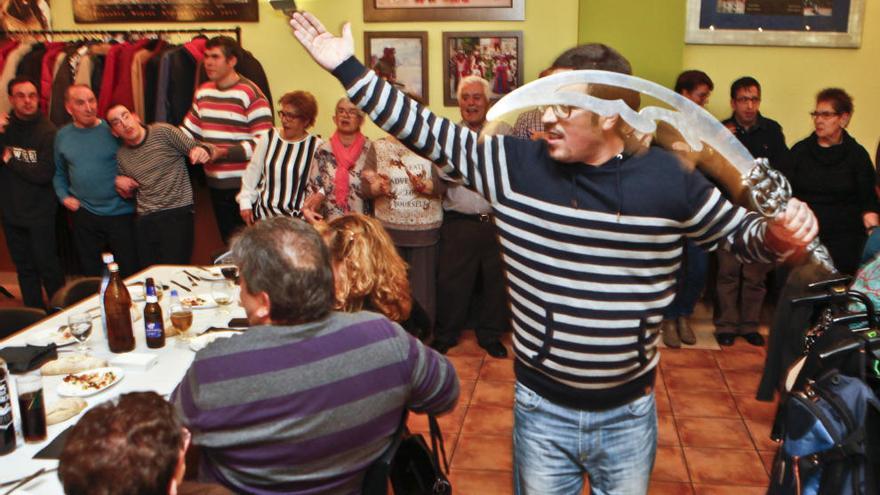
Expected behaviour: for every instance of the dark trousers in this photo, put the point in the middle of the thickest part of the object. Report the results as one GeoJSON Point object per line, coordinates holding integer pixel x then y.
{"type": "Point", "coordinates": [740, 288]}
{"type": "Point", "coordinates": [165, 237]}
{"type": "Point", "coordinates": [226, 212]}
{"type": "Point", "coordinates": [470, 258]}
{"type": "Point", "coordinates": [422, 275]}
{"type": "Point", "coordinates": [95, 233]}
{"type": "Point", "coordinates": [34, 252]}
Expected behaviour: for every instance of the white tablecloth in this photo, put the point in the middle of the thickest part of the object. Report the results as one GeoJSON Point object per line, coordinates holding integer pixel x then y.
{"type": "Point", "coordinates": [173, 361]}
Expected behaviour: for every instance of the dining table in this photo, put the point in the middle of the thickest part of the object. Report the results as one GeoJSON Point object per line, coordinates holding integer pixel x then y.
{"type": "Point", "coordinates": [143, 369]}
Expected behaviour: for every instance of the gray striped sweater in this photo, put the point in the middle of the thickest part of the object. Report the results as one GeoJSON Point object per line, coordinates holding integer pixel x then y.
{"type": "Point", "coordinates": [591, 252]}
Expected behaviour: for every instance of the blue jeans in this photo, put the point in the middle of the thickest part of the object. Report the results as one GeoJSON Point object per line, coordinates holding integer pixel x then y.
{"type": "Point", "coordinates": [690, 280]}
{"type": "Point", "coordinates": [553, 446]}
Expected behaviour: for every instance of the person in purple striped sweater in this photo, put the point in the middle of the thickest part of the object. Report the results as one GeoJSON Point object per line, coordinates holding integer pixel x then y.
{"type": "Point", "coordinates": [307, 398]}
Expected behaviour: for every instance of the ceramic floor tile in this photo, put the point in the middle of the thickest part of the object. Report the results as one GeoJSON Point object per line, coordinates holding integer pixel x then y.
{"type": "Point", "coordinates": [488, 420]}
{"type": "Point", "coordinates": [497, 370]}
{"type": "Point", "coordinates": [484, 452]}
{"type": "Point", "coordinates": [662, 400]}
{"type": "Point", "coordinates": [693, 380]}
{"type": "Point", "coordinates": [729, 490]}
{"type": "Point", "coordinates": [751, 408]}
{"type": "Point", "coordinates": [667, 434]}
{"type": "Point", "coordinates": [725, 467]}
{"type": "Point", "coordinates": [467, 367]}
{"type": "Point", "coordinates": [742, 382]}
{"type": "Point", "coordinates": [669, 488]}
{"type": "Point", "coordinates": [467, 346]}
{"type": "Point", "coordinates": [492, 393]}
{"type": "Point", "coordinates": [716, 433]}
{"type": "Point", "coordinates": [767, 457]}
{"type": "Point", "coordinates": [470, 482]}
{"type": "Point", "coordinates": [670, 465]}
{"type": "Point", "coordinates": [703, 404]}
{"type": "Point", "coordinates": [740, 360]}
{"type": "Point", "coordinates": [687, 358]}
{"type": "Point", "coordinates": [760, 433]}
{"type": "Point", "coordinates": [450, 423]}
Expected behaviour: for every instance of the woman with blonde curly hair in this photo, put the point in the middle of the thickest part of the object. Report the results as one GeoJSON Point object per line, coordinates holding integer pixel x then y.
{"type": "Point", "coordinates": [369, 273]}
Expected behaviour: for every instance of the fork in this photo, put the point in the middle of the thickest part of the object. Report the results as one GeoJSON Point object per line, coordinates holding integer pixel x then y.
{"type": "Point", "coordinates": [27, 479]}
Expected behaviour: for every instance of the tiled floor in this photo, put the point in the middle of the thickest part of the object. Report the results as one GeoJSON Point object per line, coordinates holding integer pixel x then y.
{"type": "Point", "coordinates": [713, 434]}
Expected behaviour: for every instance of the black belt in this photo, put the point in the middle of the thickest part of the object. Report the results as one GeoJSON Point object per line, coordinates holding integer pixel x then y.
{"type": "Point", "coordinates": [476, 217]}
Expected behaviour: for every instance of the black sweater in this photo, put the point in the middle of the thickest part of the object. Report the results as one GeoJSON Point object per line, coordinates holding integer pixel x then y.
{"type": "Point", "coordinates": [26, 193]}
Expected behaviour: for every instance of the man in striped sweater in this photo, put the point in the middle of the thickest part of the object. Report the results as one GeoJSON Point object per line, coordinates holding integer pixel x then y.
{"type": "Point", "coordinates": [152, 169]}
{"type": "Point", "coordinates": [306, 399]}
{"type": "Point", "coordinates": [591, 237]}
{"type": "Point", "coordinates": [230, 112]}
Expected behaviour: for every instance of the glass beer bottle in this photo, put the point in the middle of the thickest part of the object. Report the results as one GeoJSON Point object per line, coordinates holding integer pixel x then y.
{"type": "Point", "coordinates": [154, 324]}
{"type": "Point", "coordinates": [7, 428]}
{"type": "Point", "coordinates": [117, 304]}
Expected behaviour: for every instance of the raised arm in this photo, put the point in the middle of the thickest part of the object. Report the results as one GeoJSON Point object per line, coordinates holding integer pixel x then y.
{"type": "Point", "coordinates": [454, 148]}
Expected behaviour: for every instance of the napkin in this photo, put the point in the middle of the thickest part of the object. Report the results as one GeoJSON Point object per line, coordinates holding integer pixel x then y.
{"type": "Point", "coordinates": [30, 357]}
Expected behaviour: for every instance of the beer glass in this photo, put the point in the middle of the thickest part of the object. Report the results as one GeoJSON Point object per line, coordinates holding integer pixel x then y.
{"type": "Point", "coordinates": [181, 319]}
{"type": "Point", "coordinates": [222, 292]}
{"type": "Point", "coordinates": [80, 326]}
{"type": "Point", "coordinates": [31, 406]}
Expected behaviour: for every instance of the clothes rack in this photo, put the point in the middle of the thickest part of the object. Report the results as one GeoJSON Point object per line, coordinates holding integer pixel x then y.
{"type": "Point", "coordinates": [115, 32]}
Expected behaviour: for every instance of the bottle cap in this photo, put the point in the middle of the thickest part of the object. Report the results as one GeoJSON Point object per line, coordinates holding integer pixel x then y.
{"type": "Point", "coordinates": [107, 258]}
{"type": "Point", "coordinates": [113, 267]}
{"type": "Point", "coordinates": [173, 292]}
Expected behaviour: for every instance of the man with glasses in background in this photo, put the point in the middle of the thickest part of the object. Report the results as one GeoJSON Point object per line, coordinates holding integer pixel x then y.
{"type": "Point", "coordinates": [741, 287]}
{"type": "Point", "coordinates": [591, 235]}
{"type": "Point", "coordinates": [230, 112]}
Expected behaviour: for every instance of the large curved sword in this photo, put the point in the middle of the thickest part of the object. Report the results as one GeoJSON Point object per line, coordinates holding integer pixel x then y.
{"type": "Point", "coordinates": [718, 153]}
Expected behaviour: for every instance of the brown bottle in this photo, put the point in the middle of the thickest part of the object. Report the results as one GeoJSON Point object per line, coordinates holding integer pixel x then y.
{"type": "Point", "coordinates": [7, 428]}
{"type": "Point", "coordinates": [117, 305]}
{"type": "Point", "coordinates": [154, 324]}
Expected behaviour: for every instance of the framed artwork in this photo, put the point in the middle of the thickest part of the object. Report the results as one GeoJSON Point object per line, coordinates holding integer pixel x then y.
{"type": "Point", "coordinates": [444, 10]}
{"type": "Point", "coordinates": [496, 56]}
{"type": "Point", "coordinates": [400, 57]}
{"type": "Point", "coordinates": [100, 11]}
{"type": "Point", "coordinates": [824, 23]}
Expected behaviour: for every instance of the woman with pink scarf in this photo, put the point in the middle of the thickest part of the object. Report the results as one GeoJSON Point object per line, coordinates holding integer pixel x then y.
{"type": "Point", "coordinates": [335, 183]}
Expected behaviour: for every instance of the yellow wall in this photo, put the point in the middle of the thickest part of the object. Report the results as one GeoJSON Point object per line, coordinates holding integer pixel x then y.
{"type": "Point", "coordinates": [547, 32]}
{"type": "Point", "coordinates": [791, 77]}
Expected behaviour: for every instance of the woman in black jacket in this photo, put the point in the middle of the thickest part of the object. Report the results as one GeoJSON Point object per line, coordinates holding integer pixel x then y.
{"type": "Point", "coordinates": [833, 174]}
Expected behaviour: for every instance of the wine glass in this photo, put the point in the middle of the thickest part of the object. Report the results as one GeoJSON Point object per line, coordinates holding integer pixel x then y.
{"type": "Point", "coordinates": [181, 319]}
{"type": "Point", "coordinates": [222, 292]}
{"type": "Point", "coordinates": [80, 326]}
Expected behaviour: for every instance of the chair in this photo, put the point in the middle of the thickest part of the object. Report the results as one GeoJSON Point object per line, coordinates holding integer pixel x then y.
{"type": "Point", "coordinates": [14, 319]}
{"type": "Point", "coordinates": [75, 291]}
{"type": "Point", "coordinates": [378, 474]}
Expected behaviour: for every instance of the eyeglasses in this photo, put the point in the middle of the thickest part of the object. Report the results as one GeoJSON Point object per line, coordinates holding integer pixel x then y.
{"type": "Point", "coordinates": [748, 99]}
{"type": "Point", "coordinates": [352, 112]}
{"type": "Point", "coordinates": [561, 111]}
{"type": "Point", "coordinates": [289, 115]}
{"type": "Point", "coordinates": [823, 115]}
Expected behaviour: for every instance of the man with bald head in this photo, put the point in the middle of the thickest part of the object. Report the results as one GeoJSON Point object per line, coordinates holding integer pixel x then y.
{"type": "Point", "coordinates": [85, 177]}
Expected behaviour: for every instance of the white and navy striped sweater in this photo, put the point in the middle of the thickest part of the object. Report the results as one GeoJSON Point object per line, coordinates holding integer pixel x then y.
{"type": "Point", "coordinates": [591, 252]}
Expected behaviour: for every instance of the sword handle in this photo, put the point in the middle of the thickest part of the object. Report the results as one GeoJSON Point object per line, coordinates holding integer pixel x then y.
{"type": "Point", "coordinates": [769, 192]}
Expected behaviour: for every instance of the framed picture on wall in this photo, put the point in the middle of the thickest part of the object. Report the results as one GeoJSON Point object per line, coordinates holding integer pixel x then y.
{"type": "Point", "coordinates": [825, 23]}
{"type": "Point", "coordinates": [496, 56]}
{"type": "Point", "coordinates": [400, 57]}
{"type": "Point", "coordinates": [99, 11]}
{"type": "Point", "coordinates": [444, 10]}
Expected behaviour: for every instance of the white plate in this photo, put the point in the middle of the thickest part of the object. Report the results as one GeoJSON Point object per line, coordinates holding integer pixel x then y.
{"type": "Point", "coordinates": [202, 341]}
{"type": "Point", "coordinates": [71, 390]}
{"type": "Point", "coordinates": [207, 301]}
{"type": "Point", "coordinates": [46, 336]}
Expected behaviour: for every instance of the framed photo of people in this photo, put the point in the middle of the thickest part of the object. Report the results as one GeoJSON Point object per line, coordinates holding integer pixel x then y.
{"type": "Point", "coordinates": [100, 11]}
{"type": "Point", "coordinates": [400, 57]}
{"type": "Point", "coordinates": [444, 10]}
{"type": "Point", "coordinates": [496, 56]}
{"type": "Point", "coordinates": [824, 23]}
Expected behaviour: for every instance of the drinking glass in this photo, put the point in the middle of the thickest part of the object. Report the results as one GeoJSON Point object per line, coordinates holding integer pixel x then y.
{"type": "Point", "coordinates": [181, 320]}
{"type": "Point", "coordinates": [223, 291]}
{"type": "Point", "coordinates": [31, 406]}
{"type": "Point", "coordinates": [80, 326]}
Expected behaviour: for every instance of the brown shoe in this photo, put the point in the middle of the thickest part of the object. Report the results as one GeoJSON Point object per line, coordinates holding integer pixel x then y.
{"type": "Point", "coordinates": [670, 334]}
{"type": "Point", "coordinates": [685, 333]}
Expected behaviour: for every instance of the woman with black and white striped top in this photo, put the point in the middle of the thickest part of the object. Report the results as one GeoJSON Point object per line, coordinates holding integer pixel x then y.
{"type": "Point", "coordinates": [274, 183]}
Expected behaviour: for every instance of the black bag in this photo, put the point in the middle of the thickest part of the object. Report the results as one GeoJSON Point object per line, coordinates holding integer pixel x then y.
{"type": "Point", "coordinates": [412, 467]}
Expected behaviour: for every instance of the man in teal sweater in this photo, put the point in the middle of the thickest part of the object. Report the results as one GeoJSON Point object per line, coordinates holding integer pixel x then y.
{"type": "Point", "coordinates": [85, 175]}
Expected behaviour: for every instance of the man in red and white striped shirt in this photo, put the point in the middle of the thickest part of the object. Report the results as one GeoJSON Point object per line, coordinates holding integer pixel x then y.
{"type": "Point", "coordinates": [230, 112]}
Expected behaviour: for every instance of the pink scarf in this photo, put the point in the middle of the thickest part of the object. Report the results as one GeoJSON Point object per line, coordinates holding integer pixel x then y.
{"type": "Point", "coordinates": [345, 160]}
